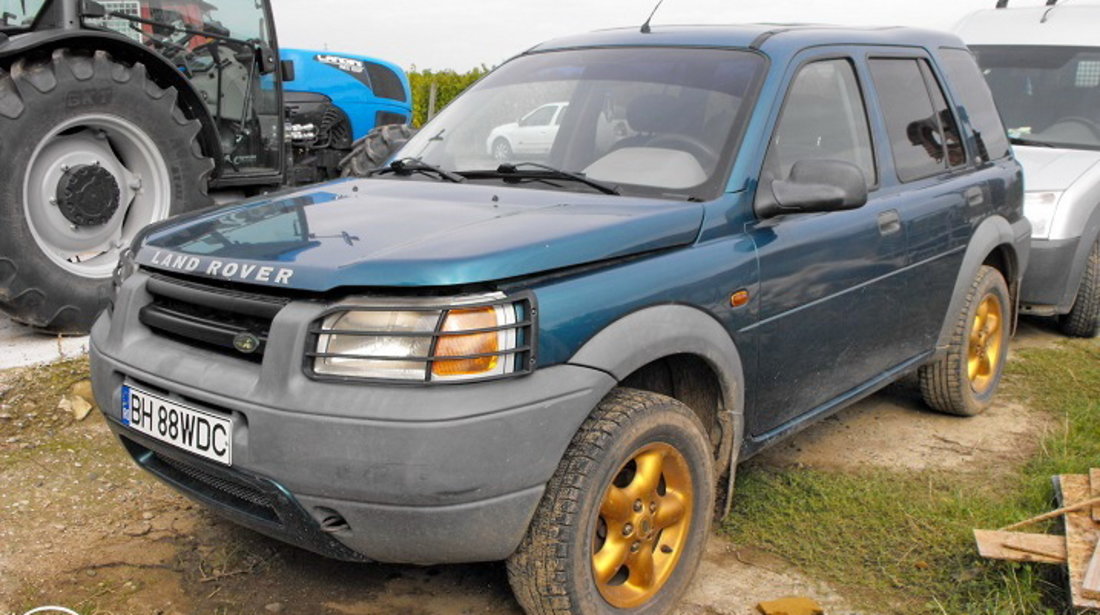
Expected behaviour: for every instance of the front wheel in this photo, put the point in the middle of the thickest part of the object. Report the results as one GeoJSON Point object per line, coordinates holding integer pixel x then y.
{"type": "Point", "coordinates": [964, 380]}
{"type": "Point", "coordinates": [92, 151]}
{"type": "Point", "coordinates": [624, 520]}
{"type": "Point", "coordinates": [502, 150]}
{"type": "Point", "coordinates": [1084, 319]}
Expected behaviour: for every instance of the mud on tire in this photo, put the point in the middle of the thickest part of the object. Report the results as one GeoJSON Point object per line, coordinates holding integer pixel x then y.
{"type": "Point", "coordinates": [963, 381]}
{"type": "Point", "coordinates": [37, 95]}
{"type": "Point", "coordinates": [554, 571]}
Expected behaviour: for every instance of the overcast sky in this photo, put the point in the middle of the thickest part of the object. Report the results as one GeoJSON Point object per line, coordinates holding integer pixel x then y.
{"type": "Point", "coordinates": [462, 34]}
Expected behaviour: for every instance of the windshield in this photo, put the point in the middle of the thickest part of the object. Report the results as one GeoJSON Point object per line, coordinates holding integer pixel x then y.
{"type": "Point", "coordinates": [18, 13]}
{"type": "Point", "coordinates": [1049, 95]}
{"type": "Point", "coordinates": [656, 122]}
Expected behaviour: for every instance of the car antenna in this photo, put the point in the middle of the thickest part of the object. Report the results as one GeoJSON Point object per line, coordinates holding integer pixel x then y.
{"type": "Point", "coordinates": [645, 27]}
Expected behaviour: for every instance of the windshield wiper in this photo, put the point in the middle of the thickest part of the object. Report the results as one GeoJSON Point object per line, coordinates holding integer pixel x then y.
{"type": "Point", "coordinates": [541, 172]}
{"type": "Point", "coordinates": [408, 166]}
{"type": "Point", "coordinates": [1019, 141]}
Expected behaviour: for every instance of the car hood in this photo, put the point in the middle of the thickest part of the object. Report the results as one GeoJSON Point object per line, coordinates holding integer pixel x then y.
{"type": "Point", "coordinates": [409, 233]}
{"type": "Point", "coordinates": [1053, 169]}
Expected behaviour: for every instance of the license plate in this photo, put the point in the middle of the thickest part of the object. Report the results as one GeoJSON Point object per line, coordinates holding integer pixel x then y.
{"type": "Point", "coordinates": [196, 431]}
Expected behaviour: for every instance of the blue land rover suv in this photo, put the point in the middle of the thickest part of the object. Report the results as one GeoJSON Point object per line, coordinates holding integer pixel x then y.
{"type": "Point", "coordinates": [556, 350]}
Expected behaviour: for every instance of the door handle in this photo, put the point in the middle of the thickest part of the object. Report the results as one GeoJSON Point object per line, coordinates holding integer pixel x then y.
{"type": "Point", "coordinates": [889, 222]}
{"type": "Point", "coordinates": [974, 196]}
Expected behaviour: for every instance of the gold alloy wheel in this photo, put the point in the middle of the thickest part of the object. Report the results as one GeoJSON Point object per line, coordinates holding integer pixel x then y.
{"type": "Point", "coordinates": [643, 526]}
{"type": "Point", "coordinates": [986, 339]}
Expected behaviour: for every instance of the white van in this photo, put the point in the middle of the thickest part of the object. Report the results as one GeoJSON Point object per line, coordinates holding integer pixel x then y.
{"type": "Point", "coordinates": [1043, 66]}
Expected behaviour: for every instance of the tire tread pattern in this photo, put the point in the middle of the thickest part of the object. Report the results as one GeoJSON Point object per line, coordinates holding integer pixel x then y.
{"type": "Point", "coordinates": [539, 570]}
{"type": "Point", "coordinates": [943, 384]}
{"type": "Point", "coordinates": [1084, 319]}
{"type": "Point", "coordinates": [26, 299]}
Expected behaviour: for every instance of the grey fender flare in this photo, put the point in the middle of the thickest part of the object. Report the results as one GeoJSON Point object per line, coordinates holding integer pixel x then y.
{"type": "Point", "coordinates": [992, 233]}
{"type": "Point", "coordinates": [1089, 237]}
{"type": "Point", "coordinates": [665, 330]}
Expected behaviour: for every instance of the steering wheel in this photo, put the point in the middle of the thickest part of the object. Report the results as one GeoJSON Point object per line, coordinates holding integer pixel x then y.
{"type": "Point", "coordinates": [703, 152]}
{"type": "Point", "coordinates": [1080, 121]}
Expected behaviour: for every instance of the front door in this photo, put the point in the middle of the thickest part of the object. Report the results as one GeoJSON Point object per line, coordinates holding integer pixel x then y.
{"type": "Point", "coordinates": [827, 280]}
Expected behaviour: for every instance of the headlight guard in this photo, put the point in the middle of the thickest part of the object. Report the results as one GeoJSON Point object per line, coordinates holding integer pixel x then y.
{"type": "Point", "coordinates": [424, 341]}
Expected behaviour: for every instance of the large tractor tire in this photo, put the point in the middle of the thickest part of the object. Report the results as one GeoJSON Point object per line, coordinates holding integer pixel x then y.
{"type": "Point", "coordinates": [375, 148]}
{"type": "Point", "coordinates": [92, 151]}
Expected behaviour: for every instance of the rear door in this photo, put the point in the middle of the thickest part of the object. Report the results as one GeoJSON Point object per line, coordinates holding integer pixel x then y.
{"type": "Point", "coordinates": [829, 280]}
{"type": "Point", "coordinates": [932, 185]}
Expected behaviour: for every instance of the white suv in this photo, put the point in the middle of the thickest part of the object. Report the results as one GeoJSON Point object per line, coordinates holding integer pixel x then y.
{"type": "Point", "coordinates": [1043, 66]}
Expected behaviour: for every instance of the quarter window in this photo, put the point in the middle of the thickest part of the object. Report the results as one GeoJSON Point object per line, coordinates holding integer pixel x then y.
{"type": "Point", "coordinates": [971, 89]}
{"type": "Point", "coordinates": [924, 135]}
{"type": "Point", "coordinates": [824, 118]}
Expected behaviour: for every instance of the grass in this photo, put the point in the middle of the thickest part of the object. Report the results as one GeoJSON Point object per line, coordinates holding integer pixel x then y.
{"type": "Point", "coordinates": [901, 542]}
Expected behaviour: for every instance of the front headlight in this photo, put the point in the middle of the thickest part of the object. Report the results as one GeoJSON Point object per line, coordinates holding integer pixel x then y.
{"type": "Point", "coordinates": [472, 338]}
{"type": "Point", "coordinates": [1039, 207]}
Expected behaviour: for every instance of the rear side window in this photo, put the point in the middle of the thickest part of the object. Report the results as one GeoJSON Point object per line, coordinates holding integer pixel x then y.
{"type": "Point", "coordinates": [969, 83]}
{"type": "Point", "coordinates": [923, 133]}
{"type": "Point", "coordinates": [824, 119]}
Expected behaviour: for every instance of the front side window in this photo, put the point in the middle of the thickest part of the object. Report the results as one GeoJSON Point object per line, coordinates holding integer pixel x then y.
{"type": "Point", "coordinates": [824, 118]}
{"type": "Point", "coordinates": [923, 133]}
{"type": "Point", "coordinates": [658, 122]}
{"type": "Point", "coordinates": [1047, 95]}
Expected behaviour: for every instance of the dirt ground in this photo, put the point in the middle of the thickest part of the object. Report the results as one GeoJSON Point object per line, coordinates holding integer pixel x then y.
{"type": "Point", "coordinates": [81, 527]}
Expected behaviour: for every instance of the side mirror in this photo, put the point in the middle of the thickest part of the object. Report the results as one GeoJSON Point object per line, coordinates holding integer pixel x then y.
{"type": "Point", "coordinates": [815, 186]}
{"type": "Point", "coordinates": [287, 70]}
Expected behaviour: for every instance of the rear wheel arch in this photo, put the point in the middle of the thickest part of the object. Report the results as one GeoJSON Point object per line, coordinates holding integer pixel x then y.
{"type": "Point", "coordinates": [992, 244]}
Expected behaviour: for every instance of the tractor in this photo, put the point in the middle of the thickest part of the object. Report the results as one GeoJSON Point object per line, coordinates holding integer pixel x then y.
{"type": "Point", "coordinates": [120, 113]}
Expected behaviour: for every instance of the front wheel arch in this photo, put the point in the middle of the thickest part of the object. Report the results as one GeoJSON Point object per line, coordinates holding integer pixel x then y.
{"type": "Point", "coordinates": [651, 334]}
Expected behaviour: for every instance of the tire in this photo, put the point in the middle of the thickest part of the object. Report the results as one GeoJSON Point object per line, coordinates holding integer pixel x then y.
{"type": "Point", "coordinates": [374, 149]}
{"type": "Point", "coordinates": [502, 150]}
{"type": "Point", "coordinates": [77, 106]}
{"type": "Point", "coordinates": [553, 571]}
{"type": "Point", "coordinates": [964, 381]}
{"type": "Point", "coordinates": [1084, 319]}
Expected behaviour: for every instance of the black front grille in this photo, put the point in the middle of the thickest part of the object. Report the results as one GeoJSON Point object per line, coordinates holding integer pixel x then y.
{"type": "Point", "coordinates": [234, 494]}
{"type": "Point", "coordinates": [209, 316]}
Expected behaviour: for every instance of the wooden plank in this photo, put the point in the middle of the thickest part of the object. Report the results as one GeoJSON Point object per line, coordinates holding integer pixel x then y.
{"type": "Point", "coordinates": [1018, 547]}
{"type": "Point", "coordinates": [1091, 585]}
{"type": "Point", "coordinates": [1082, 534]}
{"type": "Point", "coordinates": [1094, 480]}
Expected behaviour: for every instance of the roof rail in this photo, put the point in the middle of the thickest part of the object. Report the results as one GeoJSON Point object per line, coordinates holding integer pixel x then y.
{"type": "Point", "coordinates": [1004, 3]}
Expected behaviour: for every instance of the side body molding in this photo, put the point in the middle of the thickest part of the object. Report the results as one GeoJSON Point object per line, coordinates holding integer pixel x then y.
{"type": "Point", "coordinates": [993, 232]}
{"type": "Point", "coordinates": [661, 331]}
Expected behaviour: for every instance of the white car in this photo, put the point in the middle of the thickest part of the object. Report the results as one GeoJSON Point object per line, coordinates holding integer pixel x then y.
{"type": "Point", "coordinates": [1043, 67]}
{"type": "Point", "coordinates": [532, 134]}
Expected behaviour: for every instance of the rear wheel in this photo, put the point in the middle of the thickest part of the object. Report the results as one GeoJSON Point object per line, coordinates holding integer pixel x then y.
{"type": "Point", "coordinates": [375, 148]}
{"type": "Point", "coordinates": [963, 381]}
{"type": "Point", "coordinates": [1084, 319]}
{"type": "Point", "coordinates": [93, 152]}
{"type": "Point", "coordinates": [622, 525]}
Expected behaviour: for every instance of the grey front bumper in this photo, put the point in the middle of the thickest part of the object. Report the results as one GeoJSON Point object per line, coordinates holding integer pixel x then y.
{"type": "Point", "coordinates": [1050, 285]}
{"type": "Point", "coordinates": [420, 474]}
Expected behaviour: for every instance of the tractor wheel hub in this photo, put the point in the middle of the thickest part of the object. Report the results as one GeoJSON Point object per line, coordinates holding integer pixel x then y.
{"type": "Point", "coordinates": [88, 195]}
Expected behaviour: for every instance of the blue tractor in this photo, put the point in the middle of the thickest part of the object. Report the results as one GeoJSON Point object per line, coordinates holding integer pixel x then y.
{"type": "Point", "coordinates": [115, 114]}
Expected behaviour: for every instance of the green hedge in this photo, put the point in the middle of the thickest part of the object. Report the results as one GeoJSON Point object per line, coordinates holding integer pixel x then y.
{"type": "Point", "coordinates": [449, 84]}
